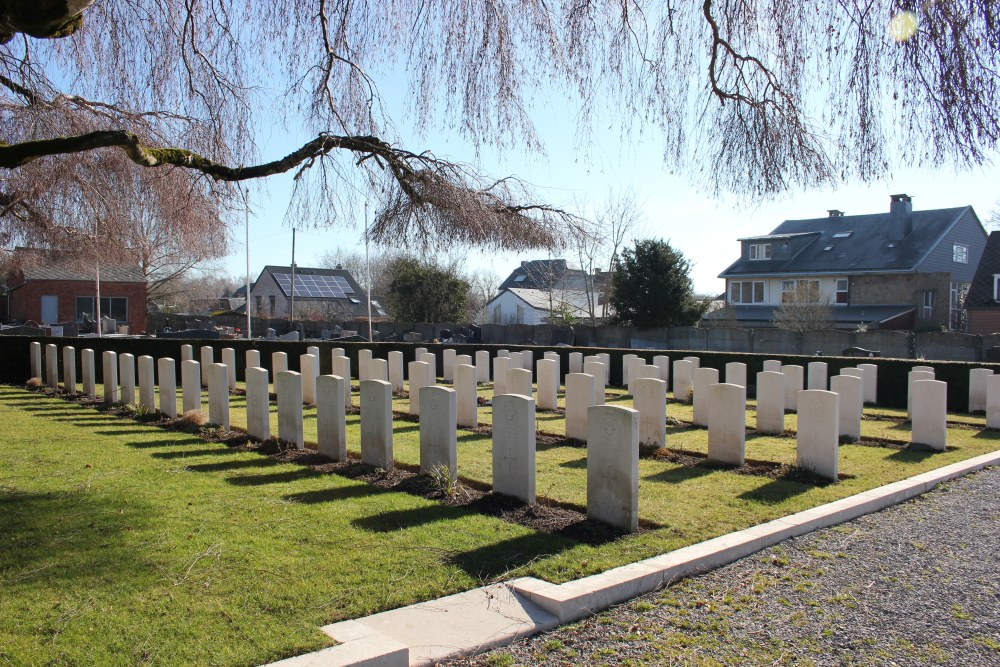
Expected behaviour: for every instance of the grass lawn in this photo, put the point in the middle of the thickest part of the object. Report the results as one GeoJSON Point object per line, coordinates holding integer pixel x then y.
{"type": "Point", "coordinates": [124, 543]}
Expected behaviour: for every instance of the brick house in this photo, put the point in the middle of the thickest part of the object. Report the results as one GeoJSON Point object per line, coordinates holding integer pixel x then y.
{"type": "Point", "coordinates": [55, 291]}
{"type": "Point", "coordinates": [896, 270]}
{"type": "Point", "coordinates": [983, 301]}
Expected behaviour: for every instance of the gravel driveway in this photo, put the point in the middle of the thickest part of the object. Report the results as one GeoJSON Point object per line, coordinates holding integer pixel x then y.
{"type": "Point", "coordinates": [915, 584]}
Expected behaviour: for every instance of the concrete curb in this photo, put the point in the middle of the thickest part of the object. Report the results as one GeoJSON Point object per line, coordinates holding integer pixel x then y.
{"type": "Point", "coordinates": [494, 616]}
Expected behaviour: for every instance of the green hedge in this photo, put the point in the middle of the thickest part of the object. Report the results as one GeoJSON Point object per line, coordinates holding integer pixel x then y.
{"type": "Point", "coordinates": [892, 373]}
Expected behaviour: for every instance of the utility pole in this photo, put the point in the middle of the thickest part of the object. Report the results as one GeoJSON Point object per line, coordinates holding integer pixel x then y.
{"type": "Point", "coordinates": [368, 274]}
{"type": "Point", "coordinates": [291, 307]}
{"type": "Point", "coordinates": [246, 209]}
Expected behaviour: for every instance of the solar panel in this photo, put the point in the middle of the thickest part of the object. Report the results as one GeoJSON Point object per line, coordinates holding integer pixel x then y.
{"type": "Point", "coordinates": [317, 286]}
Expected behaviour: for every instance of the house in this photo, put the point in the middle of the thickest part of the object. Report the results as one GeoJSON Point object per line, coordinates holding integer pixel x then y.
{"type": "Point", "coordinates": [982, 304]}
{"type": "Point", "coordinates": [547, 290]}
{"type": "Point", "coordinates": [50, 289]}
{"type": "Point", "coordinates": [895, 270]}
{"type": "Point", "coordinates": [328, 294]}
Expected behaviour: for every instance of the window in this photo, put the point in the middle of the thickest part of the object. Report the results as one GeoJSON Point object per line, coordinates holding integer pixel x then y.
{"type": "Point", "coordinates": [956, 303]}
{"type": "Point", "coordinates": [799, 291]}
{"type": "Point", "coordinates": [996, 286]}
{"type": "Point", "coordinates": [960, 253]}
{"type": "Point", "coordinates": [270, 304]}
{"type": "Point", "coordinates": [829, 247]}
{"type": "Point", "coordinates": [842, 292]}
{"type": "Point", "coordinates": [520, 315]}
{"type": "Point", "coordinates": [497, 314]}
{"type": "Point", "coordinates": [258, 302]}
{"type": "Point", "coordinates": [520, 278]}
{"type": "Point", "coordinates": [114, 307]}
{"type": "Point", "coordinates": [842, 235]}
{"type": "Point", "coordinates": [928, 309]}
{"type": "Point", "coordinates": [759, 251]}
{"type": "Point", "coordinates": [746, 292]}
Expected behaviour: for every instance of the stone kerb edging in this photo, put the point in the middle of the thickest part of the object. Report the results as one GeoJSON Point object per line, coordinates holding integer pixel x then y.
{"type": "Point", "coordinates": [494, 616]}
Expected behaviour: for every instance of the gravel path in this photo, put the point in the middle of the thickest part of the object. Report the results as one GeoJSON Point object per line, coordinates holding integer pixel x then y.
{"type": "Point", "coordinates": [915, 584]}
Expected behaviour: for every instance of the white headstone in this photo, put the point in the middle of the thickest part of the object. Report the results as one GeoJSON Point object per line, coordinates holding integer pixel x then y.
{"type": "Point", "coordinates": [683, 380]}
{"type": "Point", "coordinates": [914, 376]}
{"type": "Point", "coordinates": [514, 447]}
{"type": "Point", "coordinates": [342, 368]}
{"type": "Point", "coordinates": [110, 367]}
{"type": "Point", "coordinates": [501, 366]}
{"type": "Point", "coordinates": [252, 359]}
{"type": "Point", "coordinates": [147, 383]}
{"type": "Point", "coordinates": [528, 362]}
{"type": "Point", "coordinates": [818, 372]}
{"type": "Point", "coordinates": [167, 374]}
{"type": "Point", "coordinates": [279, 363]}
{"type": "Point", "coordinates": [313, 350]}
{"type": "Point", "coordinates": [418, 378]}
{"type": "Point", "coordinates": [598, 371]}
{"type": "Point", "coordinates": [364, 356]}
{"type": "Point", "coordinates": [519, 382]}
{"type": "Point", "coordinates": [395, 363]}
{"type": "Point", "coordinates": [207, 359]}
{"type": "Point", "coordinates": [187, 353]}
{"type": "Point", "coordinates": [516, 360]}
{"type": "Point", "coordinates": [288, 387]}
{"type": "Point", "coordinates": [651, 403]}
{"type": "Point", "coordinates": [579, 398]}
{"type": "Point", "coordinates": [438, 438]}
{"type": "Point", "coordinates": [463, 359]}
{"type": "Point", "coordinates": [190, 385]}
{"type": "Point", "coordinates": [794, 383]}
{"type": "Point", "coordinates": [308, 371]}
{"type": "Point", "coordinates": [331, 422]}
{"type": "Point", "coordinates": [466, 398]}
{"type": "Point", "coordinates": [817, 442]}
{"type": "Point", "coordinates": [695, 361]}
{"type": "Point", "coordinates": [977, 389]}
{"type": "Point", "coordinates": [857, 373]}
{"type": "Point", "coordinates": [993, 401]}
{"type": "Point", "coordinates": [218, 395]}
{"type": "Point", "coordinates": [338, 352]}
{"type": "Point", "coordinates": [548, 383]}
{"type": "Point", "coordinates": [258, 403]}
{"type": "Point", "coordinates": [851, 390]}
{"type": "Point", "coordinates": [613, 466]}
{"type": "Point", "coordinates": [88, 372]}
{"type": "Point", "coordinates": [627, 360]}
{"type": "Point", "coordinates": [736, 373]}
{"type": "Point", "coordinates": [605, 358]}
{"type": "Point", "coordinates": [772, 366]}
{"type": "Point", "coordinates": [69, 369]}
{"type": "Point", "coordinates": [770, 402]}
{"type": "Point", "coordinates": [503, 353]}
{"type": "Point", "coordinates": [229, 359]}
{"type": "Point", "coordinates": [930, 413]}
{"type": "Point", "coordinates": [926, 369]}
{"type": "Point", "coordinates": [126, 378]}
{"type": "Point", "coordinates": [431, 369]}
{"type": "Point", "coordinates": [418, 352]}
{"type": "Point", "coordinates": [727, 417]}
{"type": "Point", "coordinates": [448, 364]}
{"type": "Point", "coordinates": [871, 382]}
{"type": "Point", "coordinates": [703, 379]}
{"type": "Point", "coordinates": [576, 362]}
{"type": "Point", "coordinates": [36, 359]}
{"type": "Point", "coordinates": [640, 369]}
{"type": "Point", "coordinates": [378, 369]}
{"type": "Point", "coordinates": [52, 365]}
{"type": "Point", "coordinates": [662, 362]}
{"type": "Point", "coordinates": [376, 423]}
{"type": "Point", "coordinates": [482, 366]}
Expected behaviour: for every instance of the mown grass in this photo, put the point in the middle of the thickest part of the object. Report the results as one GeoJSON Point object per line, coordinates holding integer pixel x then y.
{"type": "Point", "coordinates": [126, 543]}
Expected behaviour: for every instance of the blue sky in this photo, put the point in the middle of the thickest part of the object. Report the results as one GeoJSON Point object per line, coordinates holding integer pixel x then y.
{"type": "Point", "coordinates": [703, 227]}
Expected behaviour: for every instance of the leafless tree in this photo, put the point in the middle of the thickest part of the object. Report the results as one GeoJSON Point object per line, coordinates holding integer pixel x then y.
{"type": "Point", "coordinates": [354, 261]}
{"type": "Point", "coordinates": [750, 96]}
{"type": "Point", "coordinates": [483, 284]}
{"type": "Point", "coordinates": [804, 309]}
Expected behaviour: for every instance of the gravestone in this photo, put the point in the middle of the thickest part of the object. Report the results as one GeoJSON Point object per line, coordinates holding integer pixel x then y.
{"type": "Point", "coordinates": [662, 362]}
{"type": "Point", "coordinates": [579, 398]}
{"type": "Point", "coordinates": [466, 398]}
{"type": "Point", "coordinates": [770, 402]}
{"type": "Point", "coordinates": [548, 384]}
{"type": "Point", "coordinates": [147, 384]}
{"type": "Point", "coordinates": [482, 366]}
{"type": "Point", "coordinates": [395, 363]}
{"type": "Point", "coordinates": [126, 378]}
{"type": "Point", "coordinates": [342, 368]}
{"type": "Point", "coordinates": [576, 362]}
{"type": "Point", "coordinates": [605, 358]}
{"type": "Point", "coordinates": [364, 356]}
{"type": "Point", "coordinates": [871, 382]}
{"type": "Point", "coordinates": [187, 353]}
{"type": "Point", "coordinates": [736, 373]}
{"type": "Point", "coordinates": [418, 378]}
{"type": "Point", "coordinates": [651, 403]}
{"type": "Point", "coordinates": [229, 359]}
{"type": "Point", "coordinates": [817, 441]}
{"type": "Point", "coordinates": [252, 359]}
{"type": "Point", "coordinates": [772, 366]}
{"type": "Point", "coordinates": [110, 367]}
{"type": "Point", "coordinates": [516, 360]}
{"type": "Point", "coordinates": [977, 389]}
{"type": "Point", "coordinates": [438, 438]}
{"type": "Point", "coordinates": [88, 372]}
{"type": "Point", "coordinates": [36, 359]}
{"type": "Point", "coordinates": [378, 369]}
{"type": "Point", "coordinates": [448, 365]}
{"type": "Point", "coordinates": [703, 379]}
{"type": "Point", "coordinates": [501, 366]}
{"type": "Point", "coordinates": [207, 359]}
{"type": "Point", "coordinates": [503, 353]}
{"type": "Point", "coordinates": [851, 392]}
{"type": "Point", "coordinates": [376, 423]}
{"type": "Point", "coordinates": [993, 401]}
{"type": "Point", "coordinates": [598, 371]}
{"type": "Point", "coordinates": [288, 386]}
{"type": "Point", "coordinates": [190, 385]}
{"type": "Point", "coordinates": [683, 380]}
{"type": "Point", "coordinates": [911, 377]}
{"type": "Point", "coordinates": [519, 382]}
{"type": "Point", "coordinates": [167, 374]}
{"type": "Point", "coordinates": [857, 373]}
{"type": "Point", "coordinates": [627, 360]}
{"type": "Point", "coordinates": [69, 369]}
{"type": "Point", "coordinates": [52, 365]}
{"type": "Point", "coordinates": [925, 369]}
{"type": "Point", "coordinates": [218, 395]}
{"type": "Point", "coordinates": [431, 369]}
{"type": "Point", "coordinates": [930, 413]}
{"type": "Point", "coordinates": [727, 415]}
{"type": "Point", "coordinates": [613, 466]}
{"type": "Point", "coordinates": [818, 372]}
{"type": "Point", "coordinates": [418, 352]}
{"type": "Point", "coordinates": [331, 422]}
{"type": "Point", "coordinates": [695, 362]}
{"type": "Point", "coordinates": [463, 359]}
{"type": "Point", "coordinates": [794, 383]}
{"type": "Point", "coordinates": [514, 447]}
{"type": "Point", "coordinates": [307, 371]}
{"type": "Point", "coordinates": [340, 352]}
{"type": "Point", "coordinates": [528, 362]}
{"type": "Point", "coordinates": [279, 363]}
{"type": "Point", "coordinates": [258, 403]}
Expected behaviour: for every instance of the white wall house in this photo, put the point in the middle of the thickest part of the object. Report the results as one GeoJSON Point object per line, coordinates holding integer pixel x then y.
{"type": "Point", "coordinates": [533, 306]}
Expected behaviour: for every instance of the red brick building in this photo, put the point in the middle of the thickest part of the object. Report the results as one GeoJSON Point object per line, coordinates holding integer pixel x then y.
{"type": "Point", "coordinates": [54, 292]}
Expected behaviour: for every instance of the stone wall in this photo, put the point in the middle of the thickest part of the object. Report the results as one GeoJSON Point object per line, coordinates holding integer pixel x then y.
{"type": "Point", "coordinates": [904, 289]}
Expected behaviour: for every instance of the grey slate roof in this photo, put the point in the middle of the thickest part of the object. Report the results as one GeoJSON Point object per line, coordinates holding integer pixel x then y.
{"type": "Point", "coordinates": [63, 271]}
{"type": "Point", "coordinates": [545, 274]}
{"type": "Point", "coordinates": [867, 249]}
{"type": "Point", "coordinates": [981, 290]}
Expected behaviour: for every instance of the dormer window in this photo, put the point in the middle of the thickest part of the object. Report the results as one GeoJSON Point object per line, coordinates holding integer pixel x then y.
{"type": "Point", "coordinates": [759, 251]}
{"type": "Point", "coordinates": [960, 253]}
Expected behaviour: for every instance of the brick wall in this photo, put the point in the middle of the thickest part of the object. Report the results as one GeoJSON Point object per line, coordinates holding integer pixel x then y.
{"type": "Point", "coordinates": [26, 301]}
{"type": "Point", "coordinates": [904, 288]}
{"type": "Point", "coordinates": [984, 320]}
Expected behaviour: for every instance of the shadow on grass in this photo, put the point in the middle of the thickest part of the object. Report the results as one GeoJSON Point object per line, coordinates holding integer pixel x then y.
{"type": "Point", "coordinates": [575, 464]}
{"type": "Point", "coordinates": [387, 522]}
{"type": "Point", "coordinates": [682, 473]}
{"type": "Point", "coordinates": [182, 439]}
{"type": "Point", "coordinates": [492, 561]}
{"type": "Point", "coordinates": [273, 478]}
{"type": "Point", "coordinates": [988, 434]}
{"type": "Point", "coordinates": [334, 495]}
{"type": "Point", "coordinates": [776, 491]}
{"type": "Point", "coordinates": [915, 453]}
{"type": "Point", "coordinates": [191, 453]}
{"type": "Point", "coordinates": [237, 464]}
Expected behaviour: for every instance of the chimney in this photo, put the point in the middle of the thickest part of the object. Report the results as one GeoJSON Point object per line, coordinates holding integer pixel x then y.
{"type": "Point", "coordinates": [900, 217]}
{"type": "Point", "coordinates": [835, 213]}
